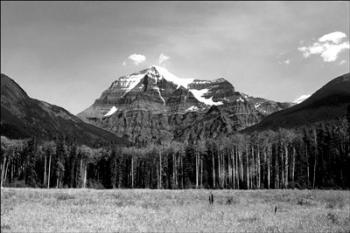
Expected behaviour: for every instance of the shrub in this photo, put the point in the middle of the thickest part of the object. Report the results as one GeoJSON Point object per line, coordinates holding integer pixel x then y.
{"type": "Point", "coordinates": [249, 219]}
{"type": "Point", "coordinates": [303, 201]}
{"type": "Point", "coordinates": [95, 184]}
{"type": "Point", "coordinates": [64, 197]}
{"type": "Point", "coordinates": [333, 202]}
{"type": "Point", "coordinates": [231, 201]}
{"type": "Point", "coordinates": [332, 218]}
{"type": "Point", "coordinates": [7, 195]}
{"type": "Point", "coordinates": [5, 227]}
{"type": "Point", "coordinates": [18, 184]}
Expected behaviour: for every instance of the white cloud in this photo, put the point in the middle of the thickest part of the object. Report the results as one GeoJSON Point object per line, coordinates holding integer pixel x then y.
{"type": "Point", "coordinates": [334, 37]}
{"type": "Point", "coordinates": [137, 59]}
{"type": "Point", "coordinates": [162, 58]}
{"type": "Point", "coordinates": [285, 62]}
{"type": "Point", "coordinates": [124, 63]}
{"type": "Point", "coordinates": [301, 99]}
{"type": "Point", "coordinates": [342, 62]}
{"type": "Point", "coordinates": [328, 46]}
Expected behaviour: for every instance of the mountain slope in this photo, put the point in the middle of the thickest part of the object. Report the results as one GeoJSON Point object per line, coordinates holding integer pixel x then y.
{"type": "Point", "coordinates": [22, 116]}
{"type": "Point", "coordinates": [154, 104]}
{"type": "Point", "coordinates": [328, 103]}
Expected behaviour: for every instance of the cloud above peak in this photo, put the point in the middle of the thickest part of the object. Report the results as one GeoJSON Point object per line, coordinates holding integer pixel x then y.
{"type": "Point", "coordinates": [334, 37]}
{"type": "Point", "coordinates": [328, 46]}
{"type": "Point", "coordinates": [162, 58]}
{"type": "Point", "coordinates": [136, 59]}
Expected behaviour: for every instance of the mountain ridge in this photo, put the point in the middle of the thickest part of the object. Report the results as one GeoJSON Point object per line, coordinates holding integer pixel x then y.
{"type": "Point", "coordinates": [23, 116]}
{"type": "Point", "coordinates": [154, 94]}
{"type": "Point", "coordinates": [327, 103]}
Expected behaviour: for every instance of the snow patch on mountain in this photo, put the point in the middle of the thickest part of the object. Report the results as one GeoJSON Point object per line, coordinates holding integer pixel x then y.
{"type": "Point", "coordinates": [164, 73]}
{"type": "Point", "coordinates": [301, 99]}
{"type": "Point", "coordinates": [160, 95]}
{"type": "Point", "coordinates": [127, 83]}
{"type": "Point", "coordinates": [240, 99]}
{"type": "Point", "coordinates": [192, 109]}
{"type": "Point", "coordinates": [201, 81]}
{"type": "Point", "coordinates": [257, 105]}
{"type": "Point", "coordinates": [198, 94]}
{"type": "Point", "coordinates": [111, 111]}
{"type": "Point", "coordinates": [245, 96]}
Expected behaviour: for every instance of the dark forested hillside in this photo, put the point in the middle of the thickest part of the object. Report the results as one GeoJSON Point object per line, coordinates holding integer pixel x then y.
{"type": "Point", "coordinates": [328, 103]}
{"type": "Point", "coordinates": [24, 117]}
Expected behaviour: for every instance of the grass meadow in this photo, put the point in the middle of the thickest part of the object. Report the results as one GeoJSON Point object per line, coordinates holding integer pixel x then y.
{"type": "Point", "coordinates": [89, 210]}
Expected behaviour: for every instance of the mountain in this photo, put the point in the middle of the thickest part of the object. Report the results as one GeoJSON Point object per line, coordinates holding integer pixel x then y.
{"type": "Point", "coordinates": [328, 103]}
{"type": "Point", "coordinates": [154, 104]}
{"type": "Point", "coordinates": [301, 99]}
{"type": "Point", "coordinates": [22, 117]}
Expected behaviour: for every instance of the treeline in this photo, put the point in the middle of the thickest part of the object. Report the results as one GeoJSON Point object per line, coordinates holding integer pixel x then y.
{"type": "Point", "coordinates": [317, 156]}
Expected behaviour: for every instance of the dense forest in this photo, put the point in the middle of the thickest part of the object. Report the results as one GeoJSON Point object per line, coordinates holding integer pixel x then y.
{"type": "Point", "coordinates": [313, 156]}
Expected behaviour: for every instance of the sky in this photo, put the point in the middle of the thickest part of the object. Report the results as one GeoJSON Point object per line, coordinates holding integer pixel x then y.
{"type": "Point", "coordinates": [68, 53]}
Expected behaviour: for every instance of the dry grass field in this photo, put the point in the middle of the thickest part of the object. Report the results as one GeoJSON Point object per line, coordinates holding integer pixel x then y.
{"type": "Point", "coordinates": [88, 210]}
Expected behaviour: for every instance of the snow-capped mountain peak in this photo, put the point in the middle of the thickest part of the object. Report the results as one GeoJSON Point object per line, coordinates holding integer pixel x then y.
{"type": "Point", "coordinates": [164, 73]}
{"type": "Point", "coordinates": [151, 103]}
{"type": "Point", "coordinates": [129, 82]}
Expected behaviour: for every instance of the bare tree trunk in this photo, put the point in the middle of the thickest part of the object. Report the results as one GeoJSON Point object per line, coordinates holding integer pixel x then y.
{"type": "Point", "coordinates": [236, 168]}
{"type": "Point", "coordinates": [45, 174]}
{"type": "Point", "coordinates": [223, 168]}
{"type": "Point", "coordinates": [293, 165]}
{"type": "Point", "coordinates": [213, 168]}
{"type": "Point", "coordinates": [226, 168]}
{"type": "Point", "coordinates": [286, 166]}
{"type": "Point", "coordinates": [160, 169]}
{"type": "Point", "coordinates": [3, 170]}
{"type": "Point", "coordinates": [132, 172]}
{"type": "Point", "coordinates": [307, 167]}
{"type": "Point", "coordinates": [268, 162]}
{"type": "Point", "coordinates": [259, 168]}
{"type": "Point", "coordinates": [85, 174]}
{"type": "Point", "coordinates": [49, 175]}
{"type": "Point", "coordinates": [7, 166]}
{"type": "Point", "coordinates": [247, 175]}
{"type": "Point", "coordinates": [253, 170]}
{"type": "Point", "coordinates": [241, 165]}
{"type": "Point", "coordinates": [12, 168]}
{"type": "Point", "coordinates": [201, 160]}
{"type": "Point", "coordinates": [176, 172]}
{"type": "Point", "coordinates": [314, 179]}
{"type": "Point", "coordinates": [277, 169]}
{"type": "Point", "coordinates": [282, 166]}
{"type": "Point", "coordinates": [174, 166]}
{"type": "Point", "coordinates": [81, 173]}
{"type": "Point", "coordinates": [219, 170]}
{"type": "Point", "coordinates": [315, 162]}
{"type": "Point", "coordinates": [182, 173]}
{"type": "Point", "coordinates": [197, 170]}
{"type": "Point", "coordinates": [233, 170]}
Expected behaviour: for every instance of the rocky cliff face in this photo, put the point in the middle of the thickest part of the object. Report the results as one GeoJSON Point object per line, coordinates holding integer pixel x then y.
{"type": "Point", "coordinates": [154, 104]}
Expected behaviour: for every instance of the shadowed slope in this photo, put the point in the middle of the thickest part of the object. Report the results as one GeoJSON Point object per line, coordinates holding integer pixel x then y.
{"type": "Point", "coordinates": [22, 116]}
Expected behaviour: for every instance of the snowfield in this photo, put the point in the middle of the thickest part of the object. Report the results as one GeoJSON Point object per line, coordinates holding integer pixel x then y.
{"type": "Point", "coordinates": [111, 111]}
